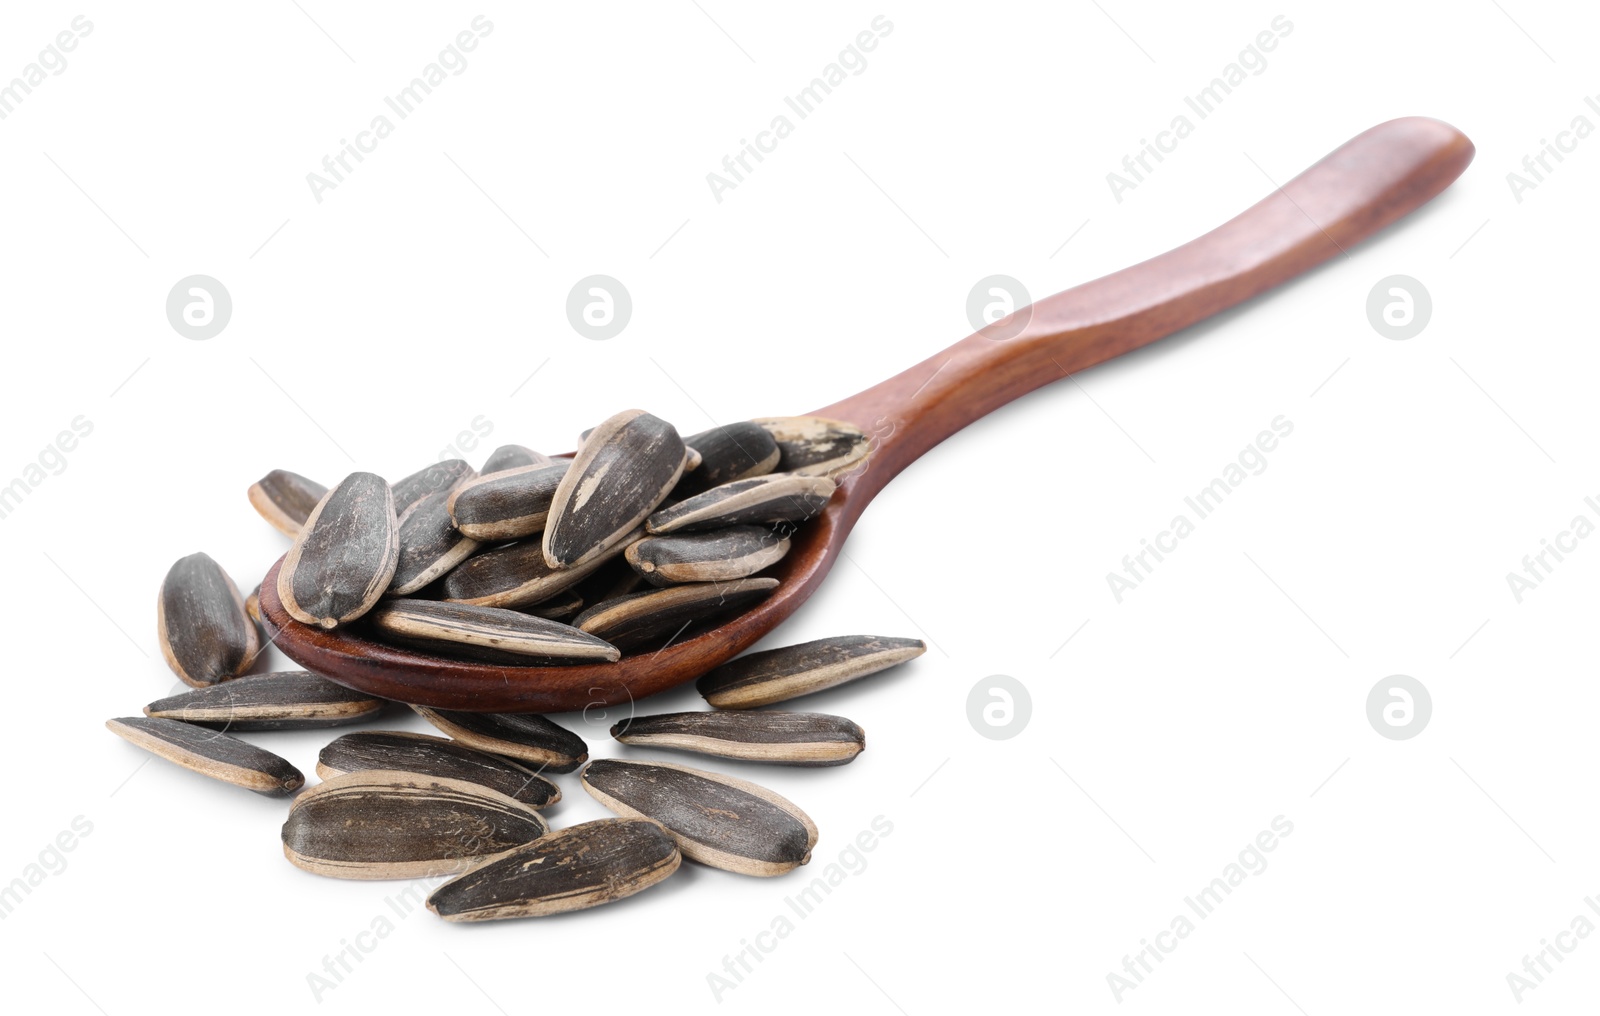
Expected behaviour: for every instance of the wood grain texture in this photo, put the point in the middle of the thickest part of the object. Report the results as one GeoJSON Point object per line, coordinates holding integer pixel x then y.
{"type": "Point", "coordinates": [206, 635]}
{"type": "Point", "coordinates": [570, 869]}
{"type": "Point", "coordinates": [625, 468]}
{"type": "Point", "coordinates": [508, 504]}
{"type": "Point", "coordinates": [345, 556]}
{"type": "Point", "coordinates": [795, 739]}
{"type": "Point", "coordinates": [1352, 194]}
{"type": "Point", "coordinates": [777, 675]}
{"type": "Point", "coordinates": [427, 755]}
{"type": "Point", "coordinates": [776, 497]}
{"type": "Point", "coordinates": [211, 753]}
{"type": "Point", "coordinates": [717, 820]}
{"type": "Point", "coordinates": [445, 475]}
{"type": "Point", "coordinates": [285, 500]}
{"type": "Point", "coordinates": [285, 700]}
{"type": "Point", "coordinates": [717, 556]}
{"type": "Point", "coordinates": [526, 736]}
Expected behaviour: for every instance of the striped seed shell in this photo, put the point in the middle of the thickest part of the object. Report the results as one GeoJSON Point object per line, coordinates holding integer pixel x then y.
{"type": "Point", "coordinates": [796, 739]}
{"type": "Point", "coordinates": [430, 544]}
{"type": "Point", "coordinates": [570, 869]}
{"type": "Point", "coordinates": [507, 504]}
{"type": "Point", "coordinates": [517, 575]}
{"type": "Point", "coordinates": [381, 823]}
{"type": "Point", "coordinates": [640, 619]}
{"type": "Point", "coordinates": [509, 631]}
{"type": "Point", "coordinates": [427, 755]}
{"type": "Point", "coordinates": [716, 556]}
{"type": "Point", "coordinates": [717, 820]}
{"type": "Point", "coordinates": [512, 456]}
{"type": "Point", "coordinates": [777, 675]}
{"type": "Point", "coordinates": [735, 451]}
{"type": "Point", "coordinates": [346, 555]}
{"type": "Point", "coordinates": [691, 460]}
{"type": "Point", "coordinates": [526, 736]}
{"type": "Point", "coordinates": [205, 633]}
{"type": "Point", "coordinates": [776, 497]}
{"type": "Point", "coordinates": [816, 446]}
{"type": "Point", "coordinates": [286, 500]}
{"type": "Point", "coordinates": [623, 471]}
{"type": "Point", "coordinates": [210, 753]}
{"type": "Point", "coordinates": [287, 700]}
{"type": "Point", "coordinates": [559, 607]}
{"type": "Point", "coordinates": [443, 475]}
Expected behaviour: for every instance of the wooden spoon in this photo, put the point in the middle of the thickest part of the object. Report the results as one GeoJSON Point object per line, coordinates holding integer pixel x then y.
{"type": "Point", "coordinates": [1364, 185]}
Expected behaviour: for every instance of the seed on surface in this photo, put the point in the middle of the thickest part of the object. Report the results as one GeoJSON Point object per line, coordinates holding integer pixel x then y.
{"type": "Point", "coordinates": [526, 736]}
{"type": "Point", "coordinates": [210, 753]}
{"type": "Point", "coordinates": [286, 500]}
{"type": "Point", "coordinates": [623, 471]}
{"type": "Point", "coordinates": [427, 755]}
{"type": "Point", "coordinates": [716, 556]}
{"type": "Point", "coordinates": [380, 823]}
{"type": "Point", "coordinates": [507, 631]}
{"type": "Point", "coordinates": [736, 451]}
{"type": "Point", "coordinates": [796, 739]}
{"type": "Point", "coordinates": [345, 557]}
{"type": "Point", "coordinates": [815, 446]}
{"type": "Point", "coordinates": [444, 475]}
{"type": "Point", "coordinates": [717, 820]}
{"type": "Point", "coordinates": [204, 631]}
{"type": "Point", "coordinates": [430, 544]}
{"type": "Point", "coordinates": [777, 675]}
{"type": "Point", "coordinates": [287, 700]}
{"type": "Point", "coordinates": [512, 456]}
{"type": "Point", "coordinates": [517, 575]}
{"type": "Point", "coordinates": [506, 504]}
{"type": "Point", "coordinates": [559, 607]}
{"type": "Point", "coordinates": [776, 497]}
{"type": "Point", "coordinates": [639, 619]}
{"type": "Point", "coordinates": [570, 869]}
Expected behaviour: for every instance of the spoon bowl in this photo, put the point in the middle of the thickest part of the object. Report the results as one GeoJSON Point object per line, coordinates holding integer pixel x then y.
{"type": "Point", "coordinates": [1355, 191]}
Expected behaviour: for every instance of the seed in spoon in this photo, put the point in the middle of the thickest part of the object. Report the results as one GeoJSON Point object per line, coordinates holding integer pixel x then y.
{"type": "Point", "coordinates": [288, 700]}
{"type": "Point", "coordinates": [427, 755]}
{"type": "Point", "coordinates": [507, 631]}
{"type": "Point", "coordinates": [526, 736]}
{"type": "Point", "coordinates": [776, 497]}
{"type": "Point", "coordinates": [379, 823]}
{"type": "Point", "coordinates": [796, 739]}
{"type": "Point", "coordinates": [445, 475]}
{"type": "Point", "coordinates": [508, 504]}
{"type": "Point", "coordinates": [512, 456]}
{"type": "Point", "coordinates": [815, 446]}
{"type": "Point", "coordinates": [735, 451]}
{"type": "Point", "coordinates": [286, 500]}
{"type": "Point", "coordinates": [570, 869]}
{"type": "Point", "coordinates": [625, 469]}
{"type": "Point", "coordinates": [640, 619]}
{"type": "Point", "coordinates": [777, 675]}
{"type": "Point", "coordinates": [717, 820]}
{"type": "Point", "coordinates": [430, 544]}
{"type": "Point", "coordinates": [517, 575]}
{"type": "Point", "coordinates": [210, 753]}
{"type": "Point", "coordinates": [201, 623]}
{"type": "Point", "coordinates": [560, 607]}
{"type": "Point", "coordinates": [346, 555]}
{"type": "Point", "coordinates": [716, 556]}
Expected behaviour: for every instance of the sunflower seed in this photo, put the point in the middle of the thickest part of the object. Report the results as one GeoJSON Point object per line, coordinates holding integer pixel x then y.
{"type": "Point", "coordinates": [345, 557]}
{"type": "Point", "coordinates": [286, 499]}
{"type": "Point", "coordinates": [427, 755]}
{"type": "Point", "coordinates": [430, 545]}
{"type": "Point", "coordinates": [717, 820]}
{"type": "Point", "coordinates": [563, 605]}
{"type": "Point", "coordinates": [777, 675]}
{"type": "Point", "coordinates": [444, 475]}
{"type": "Point", "coordinates": [201, 623]}
{"type": "Point", "coordinates": [716, 556]}
{"type": "Point", "coordinates": [252, 604]}
{"type": "Point", "coordinates": [380, 823]}
{"type": "Point", "coordinates": [289, 700]}
{"type": "Point", "coordinates": [209, 753]}
{"type": "Point", "coordinates": [518, 576]}
{"type": "Point", "coordinates": [507, 504]}
{"type": "Point", "coordinates": [691, 459]}
{"type": "Point", "coordinates": [625, 468]}
{"type": "Point", "coordinates": [570, 869]}
{"type": "Point", "coordinates": [526, 736]}
{"type": "Point", "coordinates": [512, 456]}
{"type": "Point", "coordinates": [776, 497]}
{"type": "Point", "coordinates": [640, 619]}
{"type": "Point", "coordinates": [814, 446]}
{"type": "Point", "coordinates": [534, 639]}
{"type": "Point", "coordinates": [736, 451]}
{"type": "Point", "coordinates": [797, 739]}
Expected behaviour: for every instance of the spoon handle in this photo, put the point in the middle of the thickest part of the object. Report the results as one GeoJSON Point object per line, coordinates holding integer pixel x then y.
{"type": "Point", "coordinates": [1362, 186]}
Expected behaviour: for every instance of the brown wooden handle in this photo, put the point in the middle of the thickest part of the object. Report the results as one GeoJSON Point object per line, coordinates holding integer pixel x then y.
{"type": "Point", "coordinates": [1367, 183]}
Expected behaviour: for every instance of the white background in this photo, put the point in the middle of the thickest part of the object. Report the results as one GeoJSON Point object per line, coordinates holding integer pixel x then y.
{"type": "Point", "coordinates": [371, 328]}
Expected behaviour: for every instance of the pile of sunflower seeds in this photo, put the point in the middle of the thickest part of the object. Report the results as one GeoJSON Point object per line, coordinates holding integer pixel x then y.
{"type": "Point", "coordinates": [623, 540]}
